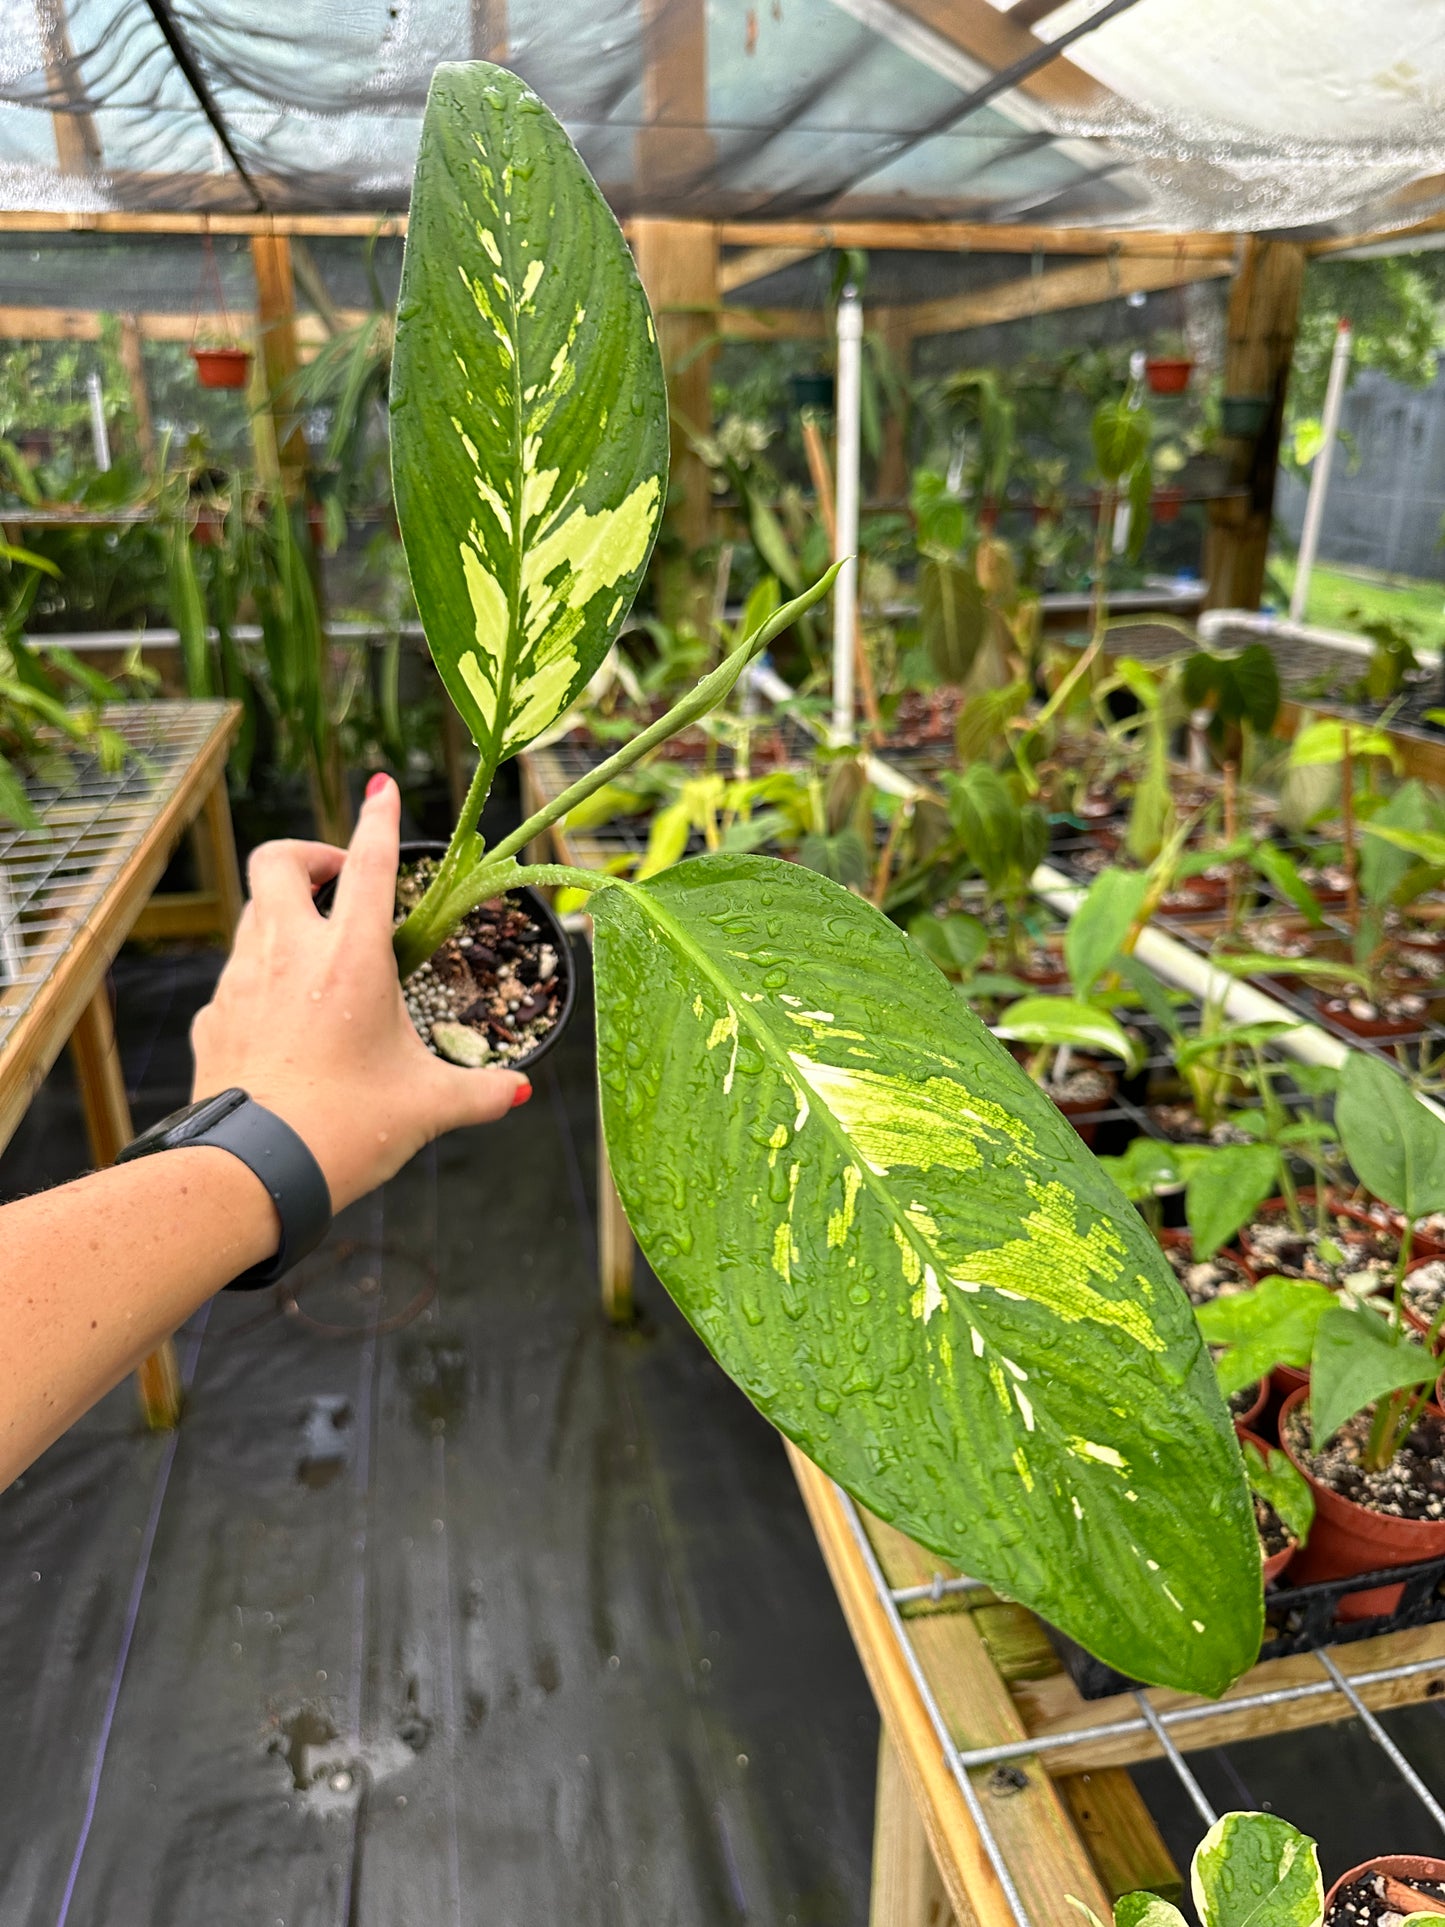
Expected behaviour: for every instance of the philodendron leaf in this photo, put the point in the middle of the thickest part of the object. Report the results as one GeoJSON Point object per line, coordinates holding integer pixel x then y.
{"type": "Point", "coordinates": [955, 942]}
{"type": "Point", "coordinates": [1272, 1325]}
{"type": "Point", "coordinates": [1358, 1358]}
{"type": "Point", "coordinates": [904, 1255]}
{"type": "Point", "coordinates": [1396, 1146]}
{"type": "Point", "coordinates": [1058, 1021]}
{"type": "Point", "coordinates": [1101, 924]}
{"type": "Point", "coordinates": [529, 420]}
{"type": "Point", "coordinates": [1273, 1476]}
{"type": "Point", "coordinates": [1224, 1189]}
{"type": "Point", "coordinates": [1146, 1910]}
{"type": "Point", "coordinates": [1256, 1870]}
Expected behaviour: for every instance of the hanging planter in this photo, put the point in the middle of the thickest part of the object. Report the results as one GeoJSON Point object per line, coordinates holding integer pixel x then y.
{"type": "Point", "coordinates": [222, 367]}
{"type": "Point", "coordinates": [1168, 374]}
{"type": "Point", "coordinates": [813, 390]}
{"type": "Point", "coordinates": [1167, 503]}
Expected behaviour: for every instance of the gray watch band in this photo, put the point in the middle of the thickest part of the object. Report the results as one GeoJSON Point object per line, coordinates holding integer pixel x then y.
{"type": "Point", "coordinates": [267, 1145]}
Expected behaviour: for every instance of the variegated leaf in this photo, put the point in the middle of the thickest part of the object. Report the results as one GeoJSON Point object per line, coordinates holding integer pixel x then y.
{"type": "Point", "coordinates": [529, 417]}
{"type": "Point", "coordinates": [902, 1253]}
{"type": "Point", "coordinates": [1256, 1870]}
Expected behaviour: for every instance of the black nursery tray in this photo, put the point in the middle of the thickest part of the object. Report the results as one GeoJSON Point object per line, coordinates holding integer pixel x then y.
{"type": "Point", "coordinates": [1298, 1619]}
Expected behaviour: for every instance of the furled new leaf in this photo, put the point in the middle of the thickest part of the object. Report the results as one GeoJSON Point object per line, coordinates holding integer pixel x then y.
{"type": "Point", "coordinates": [1396, 1146]}
{"type": "Point", "coordinates": [529, 419]}
{"type": "Point", "coordinates": [1256, 1870]}
{"type": "Point", "coordinates": [903, 1254]}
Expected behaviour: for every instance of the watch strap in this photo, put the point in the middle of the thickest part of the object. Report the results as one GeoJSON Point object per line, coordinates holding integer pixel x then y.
{"type": "Point", "coordinates": [283, 1162]}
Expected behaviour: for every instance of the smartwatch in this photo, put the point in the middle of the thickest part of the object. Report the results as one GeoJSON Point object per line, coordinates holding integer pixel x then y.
{"type": "Point", "coordinates": [266, 1145]}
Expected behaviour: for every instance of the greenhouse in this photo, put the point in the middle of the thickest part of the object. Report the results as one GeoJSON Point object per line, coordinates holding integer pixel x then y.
{"type": "Point", "coordinates": [722, 963]}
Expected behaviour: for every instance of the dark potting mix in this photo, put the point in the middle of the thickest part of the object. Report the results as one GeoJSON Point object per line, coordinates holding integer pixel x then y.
{"type": "Point", "coordinates": [493, 990]}
{"type": "Point", "coordinates": [1411, 1486]}
{"type": "Point", "coordinates": [1366, 1902]}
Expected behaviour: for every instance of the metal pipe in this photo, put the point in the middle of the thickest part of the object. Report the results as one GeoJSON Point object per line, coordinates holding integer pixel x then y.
{"type": "Point", "coordinates": [1382, 1739]}
{"type": "Point", "coordinates": [99, 435]}
{"type": "Point", "coordinates": [846, 485]}
{"type": "Point", "coordinates": [1176, 1760]}
{"type": "Point", "coordinates": [1309, 541]}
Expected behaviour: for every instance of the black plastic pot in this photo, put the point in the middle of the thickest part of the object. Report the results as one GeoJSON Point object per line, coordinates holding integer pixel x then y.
{"type": "Point", "coordinates": [541, 912]}
{"type": "Point", "coordinates": [1243, 416]}
{"type": "Point", "coordinates": [811, 390]}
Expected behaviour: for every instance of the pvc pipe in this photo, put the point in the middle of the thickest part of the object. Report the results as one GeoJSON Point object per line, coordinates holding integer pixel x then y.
{"type": "Point", "coordinates": [99, 435]}
{"type": "Point", "coordinates": [1309, 541]}
{"type": "Point", "coordinates": [845, 543]}
{"type": "Point", "coordinates": [1212, 624]}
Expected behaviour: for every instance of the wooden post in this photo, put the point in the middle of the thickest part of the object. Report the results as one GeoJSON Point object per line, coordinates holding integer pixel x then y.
{"type": "Point", "coordinates": [72, 120]}
{"type": "Point", "coordinates": [280, 354]}
{"type": "Point", "coordinates": [1264, 303]}
{"type": "Point", "coordinates": [907, 1891]}
{"type": "Point", "coordinates": [108, 1129]}
{"type": "Point", "coordinates": [891, 483]}
{"type": "Point", "coordinates": [678, 262]}
{"type": "Point", "coordinates": [616, 1253]}
{"type": "Point", "coordinates": [132, 360]}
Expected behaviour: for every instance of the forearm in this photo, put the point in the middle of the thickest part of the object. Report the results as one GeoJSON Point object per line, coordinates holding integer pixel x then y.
{"type": "Point", "coordinates": [96, 1274]}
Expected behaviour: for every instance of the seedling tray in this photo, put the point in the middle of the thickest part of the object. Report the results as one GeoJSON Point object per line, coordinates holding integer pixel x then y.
{"type": "Point", "coordinates": [1298, 1619]}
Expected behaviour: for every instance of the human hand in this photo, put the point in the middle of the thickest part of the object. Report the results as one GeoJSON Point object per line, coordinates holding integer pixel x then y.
{"type": "Point", "coordinates": [308, 1015]}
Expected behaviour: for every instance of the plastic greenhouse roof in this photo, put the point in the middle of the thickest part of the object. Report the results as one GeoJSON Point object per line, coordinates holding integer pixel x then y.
{"type": "Point", "coordinates": [1314, 115]}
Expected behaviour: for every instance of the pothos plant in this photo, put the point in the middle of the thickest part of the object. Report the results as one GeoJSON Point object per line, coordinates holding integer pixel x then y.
{"type": "Point", "coordinates": [1249, 1870]}
{"type": "Point", "coordinates": [885, 1233]}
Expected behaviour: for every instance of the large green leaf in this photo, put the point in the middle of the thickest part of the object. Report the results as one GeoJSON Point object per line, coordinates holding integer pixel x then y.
{"type": "Point", "coordinates": [1396, 1146]}
{"type": "Point", "coordinates": [529, 419]}
{"type": "Point", "coordinates": [1224, 1189]}
{"type": "Point", "coordinates": [903, 1254]}
{"type": "Point", "coordinates": [1060, 1021]}
{"type": "Point", "coordinates": [1256, 1870]}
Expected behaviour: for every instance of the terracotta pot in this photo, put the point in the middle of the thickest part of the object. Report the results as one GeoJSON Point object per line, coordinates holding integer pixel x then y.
{"type": "Point", "coordinates": [1336, 1011]}
{"type": "Point", "coordinates": [1275, 1564]}
{"type": "Point", "coordinates": [1167, 503]}
{"type": "Point", "coordinates": [1168, 374]}
{"type": "Point", "coordinates": [1082, 1113]}
{"type": "Point", "coordinates": [1408, 1867]}
{"type": "Point", "coordinates": [1348, 1538]}
{"type": "Point", "coordinates": [1244, 1424]}
{"type": "Point", "coordinates": [222, 367]}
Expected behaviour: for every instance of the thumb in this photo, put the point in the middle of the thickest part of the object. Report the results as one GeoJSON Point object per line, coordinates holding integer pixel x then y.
{"type": "Point", "coordinates": [476, 1096]}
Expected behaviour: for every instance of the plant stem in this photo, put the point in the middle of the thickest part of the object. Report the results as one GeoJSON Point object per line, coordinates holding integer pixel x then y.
{"type": "Point", "coordinates": [465, 884]}
{"type": "Point", "coordinates": [1347, 826]}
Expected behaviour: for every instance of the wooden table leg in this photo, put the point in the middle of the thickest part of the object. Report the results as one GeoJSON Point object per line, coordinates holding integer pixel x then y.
{"type": "Point", "coordinates": [907, 1891]}
{"type": "Point", "coordinates": [108, 1127]}
{"type": "Point", "coordinates": [216, 857]}
{"type": "Point", "coordinates": [616, 1251]}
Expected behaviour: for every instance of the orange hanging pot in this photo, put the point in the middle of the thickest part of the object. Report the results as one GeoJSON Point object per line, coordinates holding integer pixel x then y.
{"type": "Point", "coordinates": [222, 367]}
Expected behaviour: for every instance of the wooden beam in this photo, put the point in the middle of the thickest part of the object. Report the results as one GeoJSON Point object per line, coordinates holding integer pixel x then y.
{"type": "Point", "coordinates": [83, 221]}
{"type": "Point", "coordinates": [83, 324]}
{"type": "Point", "coordinates": [743, 269]}
{"type": "Point", "coordinates": [996, 40]}
{"type": "Point", "coordinates": [77, 143]}
{"type": "Point", "coordinates": [674, 144]}
{"type": "Point", "coordinates": [1077, 286]}
{"type": "Point", "coordinates": [1029, 13]}
{"type": "Point", "coordinates": [677, 261]}
{"type": "Point", "coordinates": [279, 347]}
{"type": "Point", "coordinates": [1264, 304]}
{"type": "Point", "coordinates": [981, 237]}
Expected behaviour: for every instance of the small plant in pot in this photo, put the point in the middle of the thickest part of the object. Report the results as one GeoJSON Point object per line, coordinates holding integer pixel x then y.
{"type": "Point", "coordinates": [880, 1227]}
{"type": "Point", "coordinates": [1364, 1431]}
{"type": "Point", "coordinates": [1249, 1870]}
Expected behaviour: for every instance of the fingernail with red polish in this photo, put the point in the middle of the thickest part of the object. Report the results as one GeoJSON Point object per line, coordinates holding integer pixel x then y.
{"type": "Point", "coordinates": [378, 783]}
{"type": "Point", "coordinates": [521, 1094]}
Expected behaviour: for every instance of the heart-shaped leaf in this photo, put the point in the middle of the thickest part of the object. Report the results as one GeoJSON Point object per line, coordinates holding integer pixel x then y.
{"type": "Point", "coordinates": [1256, 1870]}
{"type": "Point", "coordinates": [1396, 1146]}
{"type": "Point", "coordinates": [1224, 1189]}
{"type": "Point", "coordinates": [1272, 1325]}
{"type": "Point", "coordinates": [903, 1254]}
{"type": "Point", "coordinates": [1101, 924]}
{"type": "Point", "coordinates": [1058, 1021]}
{"type": "Point", "coordinates": [529, 419]}
{"type": "Point", "coordinates": [1359, 1357]}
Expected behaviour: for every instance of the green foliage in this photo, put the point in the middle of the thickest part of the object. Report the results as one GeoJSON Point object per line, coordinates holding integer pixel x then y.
{"type": "Point", "coordinates": [1120, 433]}
{"type": "Point", "coordinates": [887, 1199]}
{"type": "Point", "coordinates": [1274, 1478]}
{"type": "Point", "coordinates": [956, 943]}
{"type": "Point", "coordinates": [1100, 926]}
{"type": "Point", "coordinates": [1396, 1146]}
{"type": "Point", "coordinates": [952, 614]}
{"type": "Point", "coordinates": [1359, 1357]}
{"type": "Point", "coordinates": [1226, 1190]}
{"type": "Point", "coordinates": [1238, 685]}
{"type": "Point", "coordinates": [1250, 1870]}
{"type": "Point", "coordinates": [1394, 306]}
{"type": "Point", "coordinates": [1272, 1325]}
{"type": "Point", "coordinates": [528, 511]}
{"type": "Point", "coordinates": [1057, 1022]}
